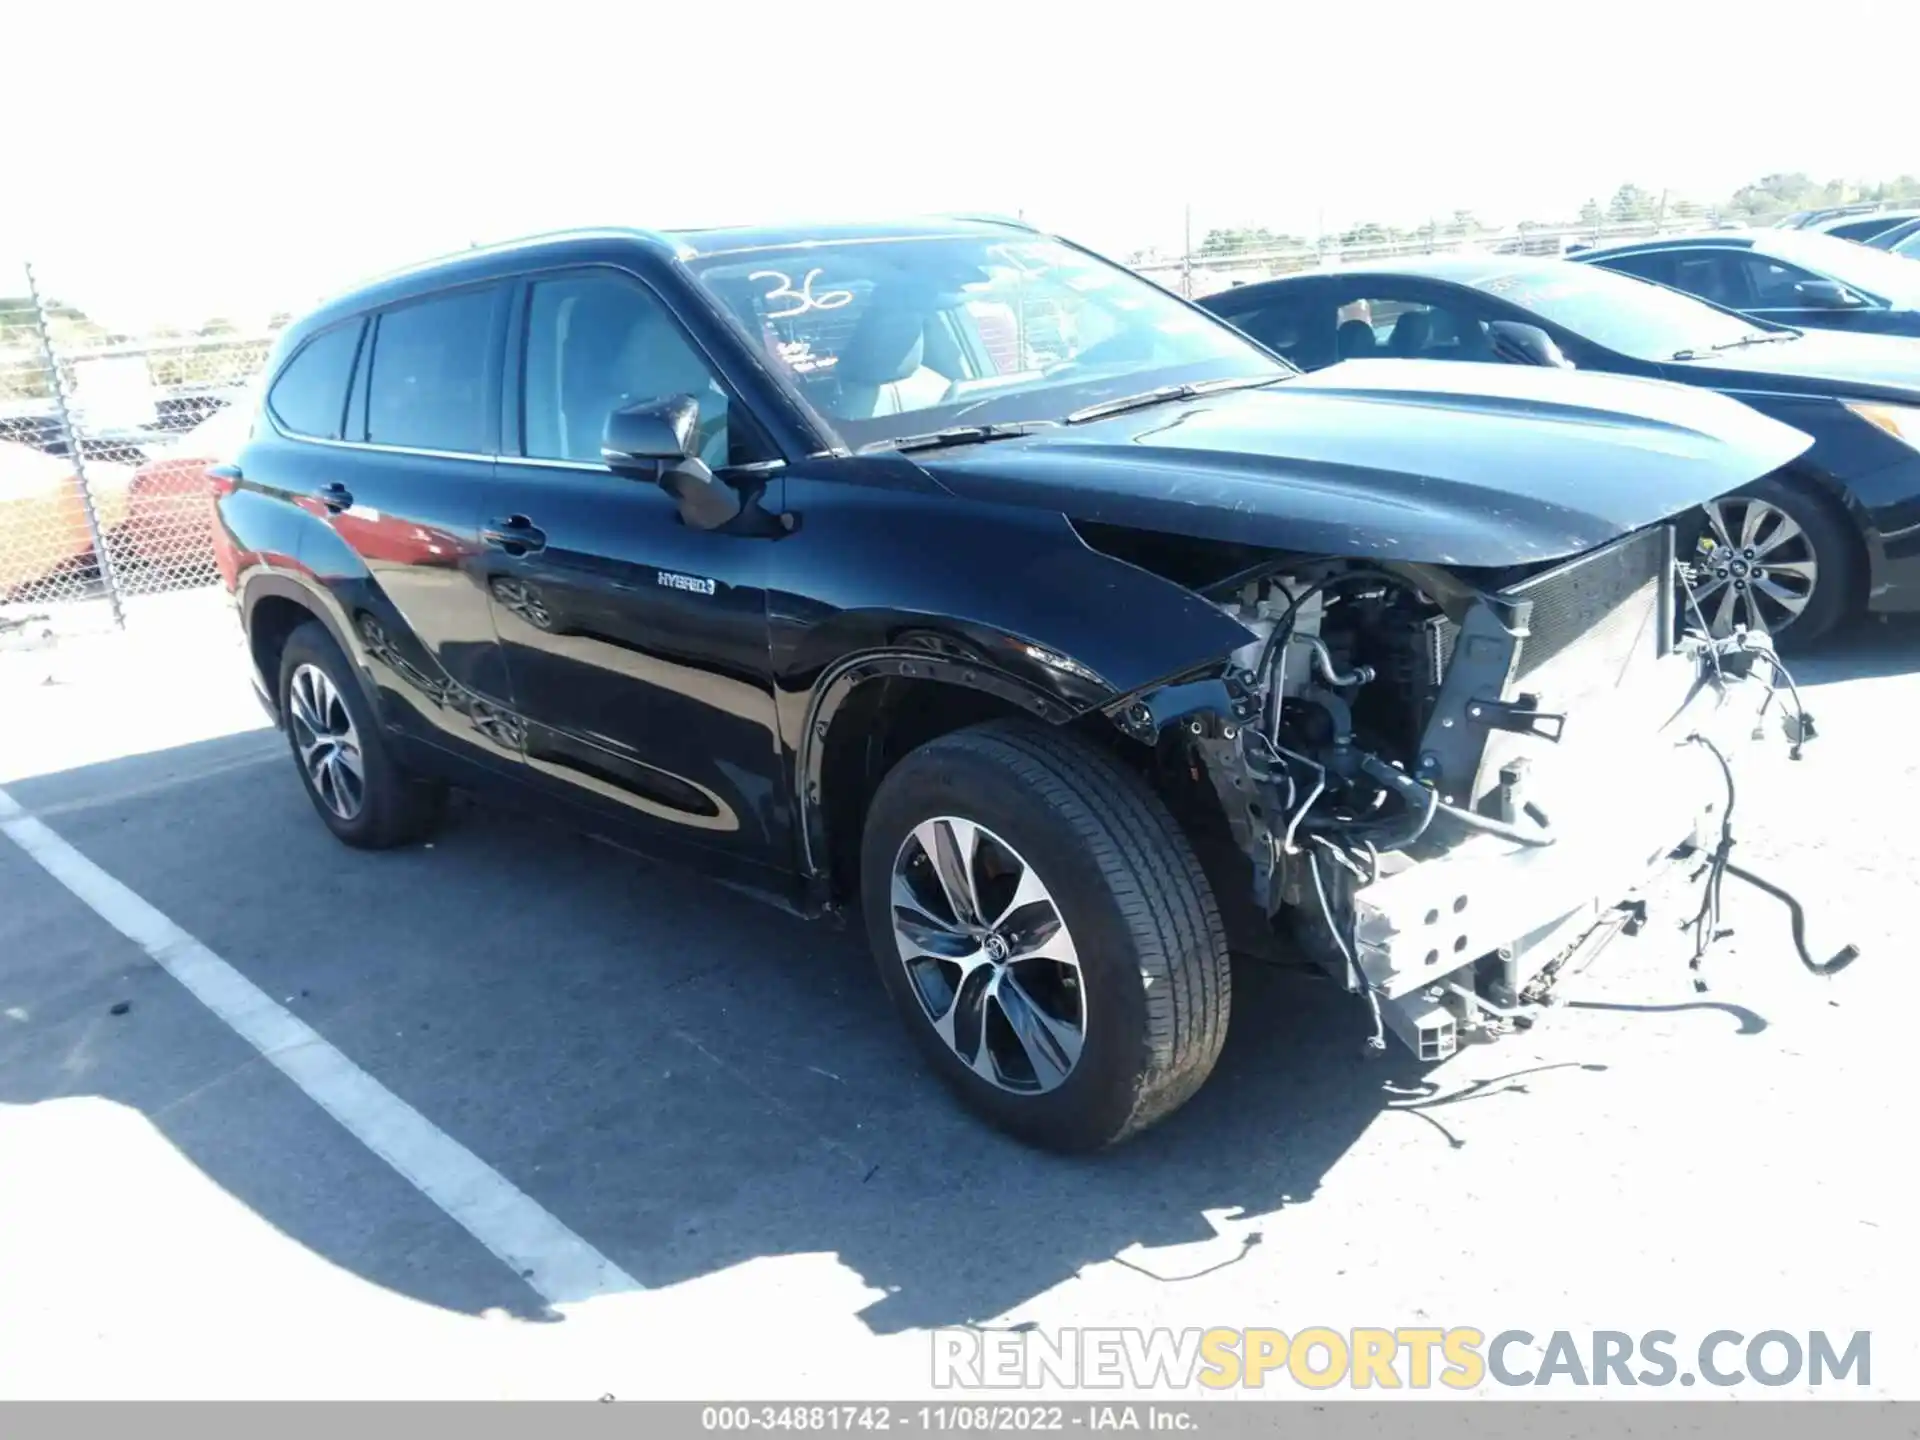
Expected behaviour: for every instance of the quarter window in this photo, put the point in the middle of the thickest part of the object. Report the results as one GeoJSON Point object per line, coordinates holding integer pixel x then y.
{"type": "Point", "coordinates": [428, 386]}
{"type": "Point", "coordinates": [597, 343]}
{"type": "Point", "coordinates": [310, 395]}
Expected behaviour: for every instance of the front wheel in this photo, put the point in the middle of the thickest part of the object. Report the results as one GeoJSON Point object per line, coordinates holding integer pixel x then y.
{"type": "Point", "coordinates": [358, 786]}
{"type": "Point", "coordinates": [1773, 557]}
{"type": "Point", "coordinates": [1046, 933]}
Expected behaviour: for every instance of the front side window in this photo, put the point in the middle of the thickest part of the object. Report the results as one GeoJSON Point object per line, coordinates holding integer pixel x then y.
{"type": "Point", "coordinates": [1774, 284]}
{"type": "Point", "coordinates": [1860, 267]}
{"type": "Point", "coordinates": [309, 397]}
{"type": "Point", "coordinates": [597, 342]}
{"type": "Point", "coordinates": [1620, 313]}
{"type": "Point", "coordinates": [898, 336]}
{"type": "Point", "coordinates": [431, 365]}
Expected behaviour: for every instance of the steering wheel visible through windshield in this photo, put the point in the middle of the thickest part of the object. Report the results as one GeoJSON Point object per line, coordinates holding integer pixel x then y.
{"type": "Point", "coordinates": [901, 336]}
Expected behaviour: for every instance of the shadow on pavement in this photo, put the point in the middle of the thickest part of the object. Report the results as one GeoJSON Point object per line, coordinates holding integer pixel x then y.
{"type": "Point", "coordinates": [1869, 649]}
{"type": "Point", "coordinates": [686, 1079]}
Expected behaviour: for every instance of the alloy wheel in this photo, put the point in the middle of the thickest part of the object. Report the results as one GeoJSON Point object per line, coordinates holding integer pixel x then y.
{"type": "Point", "coordinates": [988, 955]}
{"type": "Point", "coordinates": [1756, 566]}
{"type": "Point", "coordinates": [327, 742]}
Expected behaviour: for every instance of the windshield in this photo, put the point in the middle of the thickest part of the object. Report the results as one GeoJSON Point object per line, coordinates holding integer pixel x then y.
{"type": "Point", "coordinates": [1891, 277]}
{"type": "Point", "coordinates": [1633, 317]}
{"type": "Point", "coordinates": [903, 336]}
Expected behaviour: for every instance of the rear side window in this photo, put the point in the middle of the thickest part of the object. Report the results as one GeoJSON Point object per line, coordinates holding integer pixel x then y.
{"type": "Point", "coordinates": [431, 365]}
{"type": "Point", "coordinates": [310, 396]}
{"type": "Point", "coordinates": [1716, 275]}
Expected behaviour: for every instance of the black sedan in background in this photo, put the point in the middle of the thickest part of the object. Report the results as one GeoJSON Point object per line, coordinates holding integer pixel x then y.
{"type": "Point", "coordinates": [1863, 228]}
{"type": "Point", "coordinates": [1792, 277]}
{"type": "Point", "coordinates": [1795, 552]}
{"type": "Point", "coordinates": [1901, 239]}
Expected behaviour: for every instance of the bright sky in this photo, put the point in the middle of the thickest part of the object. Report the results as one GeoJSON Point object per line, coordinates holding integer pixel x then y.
{"type": "Point", "coordinates": [177, 160]}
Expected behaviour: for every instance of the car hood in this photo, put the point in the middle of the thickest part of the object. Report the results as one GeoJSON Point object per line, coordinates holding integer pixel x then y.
{"type": "Point", "coordinates": [1423, 461]}
{"type": "Point", "coordinates": [1821, 362]}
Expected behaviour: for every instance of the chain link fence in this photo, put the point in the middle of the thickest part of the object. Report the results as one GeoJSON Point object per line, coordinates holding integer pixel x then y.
{"type": "Point", "coordinates": [105, 440]}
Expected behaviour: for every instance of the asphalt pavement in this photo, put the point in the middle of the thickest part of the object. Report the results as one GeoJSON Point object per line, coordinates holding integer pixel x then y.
{"type": "Point", "coordinates": [714, 1100]}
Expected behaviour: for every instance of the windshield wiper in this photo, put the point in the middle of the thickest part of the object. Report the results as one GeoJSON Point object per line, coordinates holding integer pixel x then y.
{"type": "Point", "coordinates": [958, 435]}
{"type": "Point", "coordinates": [1759, 337]}
{"type": "Point", "coordinates": [1163, 393]}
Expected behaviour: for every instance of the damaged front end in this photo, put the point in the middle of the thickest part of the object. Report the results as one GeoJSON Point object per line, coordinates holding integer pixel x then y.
{"type": "Point", "coordinates": [1450, 787]}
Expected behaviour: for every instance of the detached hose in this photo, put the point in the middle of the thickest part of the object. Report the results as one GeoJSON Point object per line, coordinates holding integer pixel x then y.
{"type": "Point", "coordinates": [1414, 793]}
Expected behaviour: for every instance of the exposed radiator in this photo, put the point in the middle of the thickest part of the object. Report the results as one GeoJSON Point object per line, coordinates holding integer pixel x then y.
{"type": "Point", "coordinates": [1595, 622]}
{"type": "Point", "coordinates": [1595, 618]}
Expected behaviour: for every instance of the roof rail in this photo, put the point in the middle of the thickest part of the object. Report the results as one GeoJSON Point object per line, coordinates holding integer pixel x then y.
{"type": "Point", "coordinates": [495, 247]}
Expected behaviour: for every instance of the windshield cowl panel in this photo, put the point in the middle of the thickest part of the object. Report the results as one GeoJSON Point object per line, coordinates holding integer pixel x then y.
{"type": "Point", "coordinates": [907, 337]}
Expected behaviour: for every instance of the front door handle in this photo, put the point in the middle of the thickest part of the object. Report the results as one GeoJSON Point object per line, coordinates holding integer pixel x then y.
{"type": "Point", "coordinates": [335, 496]}
{"type": "Point", "coordinates": [516, 535]}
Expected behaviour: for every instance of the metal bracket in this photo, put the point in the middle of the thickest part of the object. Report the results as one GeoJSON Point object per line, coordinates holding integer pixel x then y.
{"type": "Point", "coordinates": [1210, 705]}
{"type": "Point", "coordinates": [1521, 715]}
{"type": "Point", "coordinates": [1508, 797]}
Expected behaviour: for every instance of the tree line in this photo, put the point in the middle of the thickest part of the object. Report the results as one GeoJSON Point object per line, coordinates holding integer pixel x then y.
{"type": "Point", "coordinates": [1762, 202]}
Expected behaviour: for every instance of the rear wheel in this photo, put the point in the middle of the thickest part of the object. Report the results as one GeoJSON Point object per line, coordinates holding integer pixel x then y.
{"type": "Point", "coordinates": [1046, 933]}
{"type": "Point", "coordinates": [359, 788]}
{"type": "Point", "coordinates": [1773, 557]}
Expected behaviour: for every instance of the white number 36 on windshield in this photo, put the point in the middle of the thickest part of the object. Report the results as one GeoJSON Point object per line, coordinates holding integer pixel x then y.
{"type": "Point", "coordinates": [804, 299]}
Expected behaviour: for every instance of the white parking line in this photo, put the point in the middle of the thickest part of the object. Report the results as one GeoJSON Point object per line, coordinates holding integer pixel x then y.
{"type": "Point", "coordinates": [557, 1263]}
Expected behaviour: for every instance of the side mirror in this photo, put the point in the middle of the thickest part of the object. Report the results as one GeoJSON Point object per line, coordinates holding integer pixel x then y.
{"type": "Point", "coordinates": [1826, 295]}
{"type": "Point", "coordinates": [1521, 344]}
{"type": "Point", "coordinates": [654, 441]}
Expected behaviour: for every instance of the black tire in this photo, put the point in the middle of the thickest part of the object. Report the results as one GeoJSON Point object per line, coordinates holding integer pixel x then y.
{"type": "Point", "coordinates": [1833, 546]}
{"type": "Point", "coordinates": [397, 807]}
{"type": "Point", "coordinates": [1152, 950]}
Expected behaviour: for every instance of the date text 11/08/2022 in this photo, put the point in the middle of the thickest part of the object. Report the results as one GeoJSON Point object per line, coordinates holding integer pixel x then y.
{"type": "Point", "coordinates": [973, 1418]}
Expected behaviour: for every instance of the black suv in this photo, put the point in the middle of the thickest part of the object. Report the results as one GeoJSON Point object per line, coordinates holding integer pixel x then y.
{"type": "Point", "coordinates": [946, 572]}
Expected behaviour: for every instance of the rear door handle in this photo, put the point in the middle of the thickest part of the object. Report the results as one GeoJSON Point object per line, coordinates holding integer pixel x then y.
{"type": "Point", "coordinates": [516, 535]}
{"type": "Point", "coordinates": [335, 496]}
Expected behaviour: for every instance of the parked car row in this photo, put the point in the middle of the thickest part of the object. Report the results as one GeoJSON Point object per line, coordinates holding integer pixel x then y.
{"type": "Point", "coordinates": [1796, 551]}
{"type": "Point", "coordinates": [1794, 277]}
{"type": "Point", "coordinates": [947, 575]}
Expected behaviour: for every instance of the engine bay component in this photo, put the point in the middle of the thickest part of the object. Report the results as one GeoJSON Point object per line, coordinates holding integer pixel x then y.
{"type": "Point", "coordinates": [1466, 775]}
